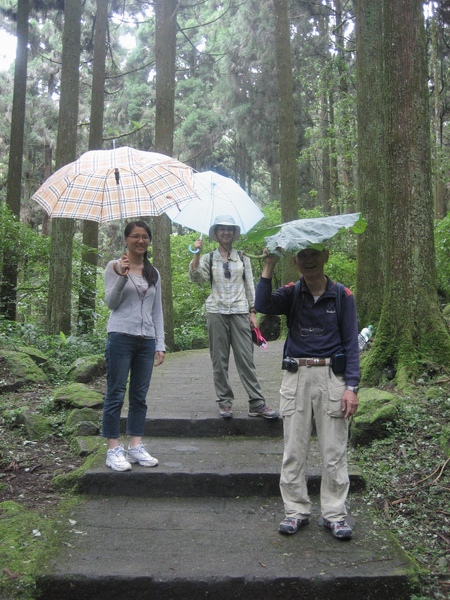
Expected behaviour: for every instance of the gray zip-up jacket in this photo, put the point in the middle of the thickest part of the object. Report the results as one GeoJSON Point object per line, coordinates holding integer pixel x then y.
{"type": "Point", "coordinates": [131, 314]}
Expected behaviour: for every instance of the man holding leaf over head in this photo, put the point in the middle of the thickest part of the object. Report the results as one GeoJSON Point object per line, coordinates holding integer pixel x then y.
{"type": "Point", "coordinates": [321, 364]}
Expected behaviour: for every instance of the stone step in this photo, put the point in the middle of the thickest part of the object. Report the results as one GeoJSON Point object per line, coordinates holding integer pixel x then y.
{"type": "Point", "coordinates": [193, 548]}
{"type": "Point", "coordinates": [208, 426]}
{"type": "Point", "coordinates": [200, 467]}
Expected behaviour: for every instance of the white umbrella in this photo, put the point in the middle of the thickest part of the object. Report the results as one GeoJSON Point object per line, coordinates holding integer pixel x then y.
{"type": "Point", "coordinates": [217, 195]}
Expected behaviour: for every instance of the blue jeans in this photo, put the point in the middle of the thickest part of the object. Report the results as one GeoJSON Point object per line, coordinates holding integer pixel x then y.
{"type": "Point", "coordinates": [127, 354]}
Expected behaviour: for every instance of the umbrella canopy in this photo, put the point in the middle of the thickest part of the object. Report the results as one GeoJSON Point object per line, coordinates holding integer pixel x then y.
{"type": "Point", "coordinates": [217, 195]}
{"type": "Point", "coordinates": [105, 185]}
{"type": "Point", "coordinates": [303, 233]}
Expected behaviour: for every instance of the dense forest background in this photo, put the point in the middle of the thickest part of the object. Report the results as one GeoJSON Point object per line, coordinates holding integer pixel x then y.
{"type": "Point", "coordinates": [363, 126]}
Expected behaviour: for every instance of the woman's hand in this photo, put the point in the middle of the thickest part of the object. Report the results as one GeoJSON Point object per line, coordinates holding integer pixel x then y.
{"type": "Point", "coordinates": [198, 245]}
{"type": "Point", "coordinates": [125, 264]}
{"type": "Point", "coordinates": [253, 322]}
{"type": "Point", "coordinates": [159, 358]}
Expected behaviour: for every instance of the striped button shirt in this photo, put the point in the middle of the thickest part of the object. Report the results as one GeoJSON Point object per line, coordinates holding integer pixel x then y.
{"type": "Point", "coordinates": [233, 295]}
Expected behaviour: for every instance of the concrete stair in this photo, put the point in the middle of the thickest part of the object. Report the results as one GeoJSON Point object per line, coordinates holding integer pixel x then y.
{"type": "Point", "coordinates": [204, 523]}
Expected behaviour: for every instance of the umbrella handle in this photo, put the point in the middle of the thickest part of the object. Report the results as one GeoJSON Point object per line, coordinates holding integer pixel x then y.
{"type": "Point", "coordinates": [197, 250]}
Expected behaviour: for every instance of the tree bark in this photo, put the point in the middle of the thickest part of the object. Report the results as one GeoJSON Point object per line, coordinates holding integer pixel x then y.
{"type": "Point", "coordinates": [411, 331]}
{"type": "Point", "coordinates": [14, 184]}
{"type": "Point", "coordinates": [59, 298]}
{"type": "Point", "coordinates": [437, 124]}
{"type": "Point", "coordinates": [288, 156]}
{"type": "Point", "coordinates": [347, 166]}
{"type": "Point", "coordinates": [165, 54]}
{"type": "Point", "coordinates": [89, 257]}
{"type": "Point", "coordinates": [370, 275]}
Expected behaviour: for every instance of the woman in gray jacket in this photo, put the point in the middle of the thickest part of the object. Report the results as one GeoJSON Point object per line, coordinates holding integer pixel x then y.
{"type": "Point", "coordinates": [135, 343]}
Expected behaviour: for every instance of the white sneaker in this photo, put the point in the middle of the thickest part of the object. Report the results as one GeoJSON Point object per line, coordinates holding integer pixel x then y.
{"type": "Point", "coordinates": [138, 454]}
{"type": "Point", "coordinates": [116, 459]}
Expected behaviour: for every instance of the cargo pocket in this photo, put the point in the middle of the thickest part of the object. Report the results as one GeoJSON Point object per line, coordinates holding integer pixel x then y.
{"type": "Point", "coordinates": [288, 392]}
{"type": "Point", "coordinates": [336, 388]}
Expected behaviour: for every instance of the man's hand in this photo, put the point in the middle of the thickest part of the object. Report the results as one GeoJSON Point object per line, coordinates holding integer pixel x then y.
{"type": "Point", "coordinates": [349, 403]}
{"type": "Point", "coordinates": [269, 264]}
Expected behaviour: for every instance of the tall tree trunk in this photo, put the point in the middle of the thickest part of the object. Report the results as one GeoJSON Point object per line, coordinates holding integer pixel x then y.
{"type": "Point", "coordinates": [59, 297]}
{"type": "Point", "coordinates": [14, 185]}
{"type": "Point", "coordinates": [334, 171]}
{"type": "Point", "coordinates": [288, 157]}
{"type": "Point", "coordinates": [347, 166]}
{"type": "Point", "coordinates": [325, 186]}
{"type": "Point", "coordinates": [323, 180]}
{"type": "Point", "coordinates": [371, 270]}
{"type": "Point", "coordinates": [411, 331]}
{"type": "Point", "coordinates": [437, 125]}
{"type": "Point", "coordinates": [165, 54]}
{"type": "Point", "coordinates": [89, 258]}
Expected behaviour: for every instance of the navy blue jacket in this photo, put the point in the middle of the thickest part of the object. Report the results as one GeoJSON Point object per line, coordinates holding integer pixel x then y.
{"type": "Point", "coordinates": [314, 330]}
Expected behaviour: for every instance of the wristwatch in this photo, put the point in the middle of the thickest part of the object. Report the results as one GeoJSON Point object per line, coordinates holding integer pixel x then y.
{"type": "Point", "coordinates": [353, 388]}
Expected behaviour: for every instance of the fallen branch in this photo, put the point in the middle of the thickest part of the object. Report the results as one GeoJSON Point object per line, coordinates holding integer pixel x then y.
{"type": "Point", "coordinates": [428, 477]}
{"type": "Point", "coordinates": [399, 501]}
{"type": "Point", "coordinates": [446, 539]}
{"type": "Point", "coordinates": [442, 470]}
{"type": "Point", "coordinates": [32, 469]}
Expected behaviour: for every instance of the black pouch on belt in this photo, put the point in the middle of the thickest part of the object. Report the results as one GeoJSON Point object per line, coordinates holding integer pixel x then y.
{"type": "Point", "coordinates": [338, 363]}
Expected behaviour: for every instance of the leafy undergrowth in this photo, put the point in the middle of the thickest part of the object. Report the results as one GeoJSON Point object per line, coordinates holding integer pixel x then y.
{"type": "Point", "coordinates": [31, 510]}
{"type": "Point", "coordinates": [408, 477]}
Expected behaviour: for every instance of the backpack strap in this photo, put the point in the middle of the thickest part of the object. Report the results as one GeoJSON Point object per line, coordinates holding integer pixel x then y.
{"type": "Point", "coordinates": [242, 258]}
{"type": "Point", "coordinates": [210, 267]}
{"type": "Point", "coordinates": [297, 292]}
{"type": "Point", "coordinates": [340, 291]}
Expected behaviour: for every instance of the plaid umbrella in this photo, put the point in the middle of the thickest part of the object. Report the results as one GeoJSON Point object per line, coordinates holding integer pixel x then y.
{"type": "Point", "coordinates": [105, 185]}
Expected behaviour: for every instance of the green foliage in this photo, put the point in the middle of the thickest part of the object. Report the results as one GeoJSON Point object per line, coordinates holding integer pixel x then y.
{"type": "Point", "coordinates": [31, 253]}
{"type": "Point", "coordinates": [60, 349]}
{"type": "Point", "coordinates": [408, 482]}
{"type": "Point", "coordinates": [341, 267]}
{"type": "Point", "coordinates": [29, 542]}
{"type": "Point", "coordinates": [442, 247]}
{"type": "Point", "coordinates": [188, 297]}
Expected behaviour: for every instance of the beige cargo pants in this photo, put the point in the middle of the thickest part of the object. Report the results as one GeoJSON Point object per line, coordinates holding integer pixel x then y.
{"type": "Point", "coordinates": [314, 392]}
